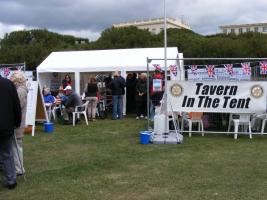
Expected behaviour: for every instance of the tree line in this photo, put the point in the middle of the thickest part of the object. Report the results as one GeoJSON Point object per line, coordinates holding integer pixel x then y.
{"type": "Point", "coordinates": [35, 45]}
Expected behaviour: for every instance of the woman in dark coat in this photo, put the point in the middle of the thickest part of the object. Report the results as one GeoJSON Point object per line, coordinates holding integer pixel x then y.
{"type": "Point", "coordinates": [130, 92]}
{"type": "Point", "coordinates": [141, 97]}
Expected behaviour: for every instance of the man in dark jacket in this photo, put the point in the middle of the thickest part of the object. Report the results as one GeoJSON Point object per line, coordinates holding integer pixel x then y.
{"type": "Point", "coordinates": [10, 118]}
{"type": "Point", "coordinates": [117, 86]}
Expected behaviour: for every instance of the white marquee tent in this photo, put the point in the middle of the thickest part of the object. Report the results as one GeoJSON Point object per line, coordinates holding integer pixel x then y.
{"type": "Point", "coordinates": [77, 62]}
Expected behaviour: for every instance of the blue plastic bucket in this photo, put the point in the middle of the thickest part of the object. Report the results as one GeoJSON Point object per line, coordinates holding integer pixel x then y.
{"type": "Point", "coordinates": [48, 127]}
{"type": "Point", "coordinates": [145, 137]}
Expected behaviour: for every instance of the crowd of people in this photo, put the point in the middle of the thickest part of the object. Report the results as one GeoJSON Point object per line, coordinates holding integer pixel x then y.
{"type": "Point", "coordinates": [134, 87]}
{"type": "Point", "coordinates": [136, 95]}
{"type": "Point", "coordinates": [13, 94]}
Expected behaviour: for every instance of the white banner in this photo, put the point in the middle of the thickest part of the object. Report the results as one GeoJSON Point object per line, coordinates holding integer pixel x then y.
{"type": "Point", "coordinates": [220, 74]}
{"type": "Point", "coordinates": [219, 97]}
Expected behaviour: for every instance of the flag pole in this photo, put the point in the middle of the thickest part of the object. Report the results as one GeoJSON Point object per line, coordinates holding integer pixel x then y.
{"type": "Point", "coordinates": [165, 63]}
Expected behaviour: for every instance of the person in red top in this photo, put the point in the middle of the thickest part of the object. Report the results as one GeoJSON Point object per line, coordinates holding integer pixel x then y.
{"type": "Point", "coordinates": [156, 95]}
{"type": "Point", "coordinates": [66, 81]}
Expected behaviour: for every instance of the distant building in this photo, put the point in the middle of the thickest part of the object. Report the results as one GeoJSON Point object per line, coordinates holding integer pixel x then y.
{"type": "Point", "coordinates": [81, 41]}
{"type": "Point", "coordinates": [244, 28]}
{"type": "Point", "coordinates": [155, 25]}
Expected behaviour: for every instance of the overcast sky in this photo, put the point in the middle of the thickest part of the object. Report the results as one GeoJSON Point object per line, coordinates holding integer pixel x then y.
{"type": "Point", "coordinates": [88, 18]}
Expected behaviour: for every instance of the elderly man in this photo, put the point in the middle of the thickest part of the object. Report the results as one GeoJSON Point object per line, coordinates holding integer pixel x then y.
{"type": "Point", "coordinates": [73, 100]}
{"type": "Point", "coordinates": [10, 118]}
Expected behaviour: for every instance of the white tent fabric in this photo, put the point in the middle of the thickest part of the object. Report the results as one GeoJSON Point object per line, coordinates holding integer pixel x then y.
{"type": "Point", "coordinates": [124, 60]}
{"type": "Point", "coordinates": [105, 60]}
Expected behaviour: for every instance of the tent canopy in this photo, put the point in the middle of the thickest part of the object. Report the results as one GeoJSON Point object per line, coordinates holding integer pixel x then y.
{"type": "Point", "coordinates": [78, 62]}
{"type": "Point", "coordinates": [105, 60]}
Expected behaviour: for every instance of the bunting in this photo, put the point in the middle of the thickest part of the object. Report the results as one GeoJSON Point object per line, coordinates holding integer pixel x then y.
{"type": "Point", "coordinates": [19, 68]}
{"type": "Point", "coordinates": [157, 67]}
{"type": "Point", "coordinates": [6, 71]}
{"type": "Point", "coordinates": [210, 70]}
{"type": "Point", "coordinates": [173, 69]}
{"type": "Point", "coordinates": [246, 68]}
{"type": "Point", "coordinates": [263, 67]}
{"type": "Point", "coordinates": [229, 69]}
{"type": "Point", "coordinates": [193, 69]}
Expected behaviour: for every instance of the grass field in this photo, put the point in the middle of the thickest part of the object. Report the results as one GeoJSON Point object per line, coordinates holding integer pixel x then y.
{"type": "Point", "coordinates": [105, 161]}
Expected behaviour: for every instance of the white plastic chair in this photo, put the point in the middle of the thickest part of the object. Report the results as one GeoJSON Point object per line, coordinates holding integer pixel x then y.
{"type": "Point", "coordinates": [55, 109]}
{"type": "Point", "coordinates": [80, 110]}
{"type": "Point", "coordinates": [196, 117]}
{"type": "Point", "coordinates": [49, 111]}
{"type": "Point", "coordinates": [263, 124]}
{"type": "Point", "coordinates": [244, 119]}
{"type": "Point", "coordinates": [231, 117]}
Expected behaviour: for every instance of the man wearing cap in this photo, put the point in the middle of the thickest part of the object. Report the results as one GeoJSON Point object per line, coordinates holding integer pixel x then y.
{"type": "Point", "coordinates": [73, 100]}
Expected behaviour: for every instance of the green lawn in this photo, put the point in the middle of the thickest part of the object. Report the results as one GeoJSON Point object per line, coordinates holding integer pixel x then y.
{"type": "Point", "coordinates": [105, 161]}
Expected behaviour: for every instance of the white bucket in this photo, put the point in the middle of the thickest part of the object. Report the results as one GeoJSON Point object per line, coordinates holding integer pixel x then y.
{"type": "Point", "coordinates": [159, 124]}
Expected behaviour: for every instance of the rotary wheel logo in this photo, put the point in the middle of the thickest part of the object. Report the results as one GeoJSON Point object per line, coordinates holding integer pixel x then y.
{"type": "Point", "coordinates": [176, 90]}
{"type": "Point", "coordinates": [256, 91]}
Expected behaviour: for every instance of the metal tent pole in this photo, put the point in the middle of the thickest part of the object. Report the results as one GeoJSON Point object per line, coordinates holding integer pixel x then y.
{"type": "Point", "coordinates": [147, 86]}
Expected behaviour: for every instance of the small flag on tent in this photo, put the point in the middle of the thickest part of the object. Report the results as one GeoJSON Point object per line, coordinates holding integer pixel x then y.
{"type": "Point", "coordinates": [210, 70]}
{"type": "Point", "coordinates": [157, 67]}
{"type": "Point", "coordinates": [229, 69]}
{"type": "Point", "coordinates": [19, 68]}
{"type": "Point", "coordinates": [263, 67]}
{"type": "Point", "coordinates": [246, 68]}
{"type": "Point", "coordinates": [173, 69]}
{"type": "Point", "coordinates": [6, 71]}
{"type": "Point", "coordinates": [193, 69]}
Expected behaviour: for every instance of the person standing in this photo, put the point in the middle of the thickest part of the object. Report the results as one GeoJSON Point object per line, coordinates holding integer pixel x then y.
{"type": "Point", "coordinates": [19, 81]}
{"type": "Point", "coordinates": [141, 97]}
{"type": "Point", "coordinates": [156, 92]}
{"type": "Point", "coordinates": [91, 91]}
{"type": "Point", "coordinates": [117, 86]}
{"type": "Point", "coordinates": [10, 118]}
{"type": "Point", "coordinates": [66, 81]}
{"type": "Point", "coordinates": [130, 92]}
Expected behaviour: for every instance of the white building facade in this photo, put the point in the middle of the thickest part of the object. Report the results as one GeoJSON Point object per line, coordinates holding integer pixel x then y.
{"type": "Point", "coordinates": [155, 25]}
{"type": "Point", "coordinates": [244, 28]}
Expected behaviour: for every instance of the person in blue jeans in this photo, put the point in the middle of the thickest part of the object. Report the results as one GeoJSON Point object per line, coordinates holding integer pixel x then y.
{"type": "Point", "coordinates": [117, 86]}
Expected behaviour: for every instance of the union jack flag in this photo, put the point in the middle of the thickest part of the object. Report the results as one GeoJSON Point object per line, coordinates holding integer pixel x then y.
{"type": "Point", "coordinates": [157, 67]}
{"type": "Point", "coordinates": [246, 68]}
{"type": "Point", "coordinates": [19, 68]}
{"type": "Point", "coordinates": [229, 69]}
{"type": "Point", "coordinates": [193, 69]}
{"type": "Point", "coordinates": [263, 67]}
{"type": "Point", "coordinates": [210, 70]}
{"type": "Point", "coordinates": [173, 69]}
{"type": "Point", "coordinates": [6, 71]}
